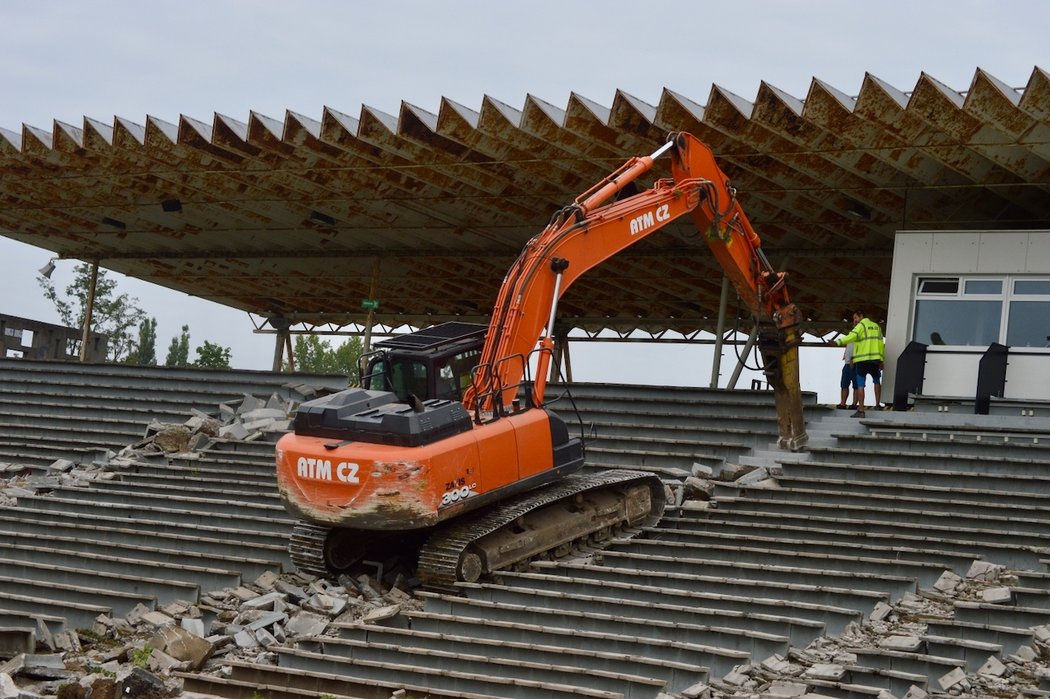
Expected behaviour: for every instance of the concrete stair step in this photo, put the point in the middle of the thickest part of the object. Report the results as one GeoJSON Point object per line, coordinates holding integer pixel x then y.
{"type": "Point", "coordinates": [799, 591]}
{"type": "Point", "coordinates": [483, 662]}
{"type": "Point", "coordinates": [892, 585]}
{"type": "Point", "coordinates": [703, 626]}
{"type": "Point", "coordinates": [430, 671]}
{"type": "Point", "coordinates": [719, 658]}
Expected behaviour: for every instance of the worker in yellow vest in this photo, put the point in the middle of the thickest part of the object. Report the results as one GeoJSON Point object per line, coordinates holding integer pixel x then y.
{"type": "Point", "coordinates": [869, 354]}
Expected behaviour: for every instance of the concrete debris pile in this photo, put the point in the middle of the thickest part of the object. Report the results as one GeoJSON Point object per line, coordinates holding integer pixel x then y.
{"type": "Point", "coordinates": [140, 654]}
{"type": "Point", "coordinates": [901, 629]}
{"type": "Point", "coordinates": [693, 490]}
{"type": "Point", "coordinates": [247, 420]}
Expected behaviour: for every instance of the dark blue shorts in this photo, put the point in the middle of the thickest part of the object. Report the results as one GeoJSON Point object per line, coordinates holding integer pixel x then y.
{"type": "Point", "coordinates": [848, 376]}
{"type": "Point", "coordinates": [867, 369]}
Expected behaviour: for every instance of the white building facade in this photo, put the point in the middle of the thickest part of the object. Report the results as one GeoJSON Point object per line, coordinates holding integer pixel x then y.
{"type": "Point", "coordinates": [967, 294]}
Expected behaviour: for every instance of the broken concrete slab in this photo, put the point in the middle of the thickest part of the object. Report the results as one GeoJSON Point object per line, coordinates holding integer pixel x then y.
{"type": "Point", "coordinates": [306, 624]}
{"type": "Point", "coordinates": [182, 646]}
{"type": "Point", "coordinates": [950, 679]}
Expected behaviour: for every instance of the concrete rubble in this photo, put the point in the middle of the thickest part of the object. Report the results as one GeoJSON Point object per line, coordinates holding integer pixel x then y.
{"type": "Point", "coordinates": [139, 654]}
{"type": "Point", "coordinates": [247, 420]}
{"type": "Point", "coordinates": [142, 653]}
{"type": "Point", "coordinates": [899, 627]}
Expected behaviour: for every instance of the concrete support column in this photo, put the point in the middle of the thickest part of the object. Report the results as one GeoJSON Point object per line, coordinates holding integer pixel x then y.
{"type": "Point", "coordinates": [716, 362]}
{"type": "Point", "coordinates": [89, 311]}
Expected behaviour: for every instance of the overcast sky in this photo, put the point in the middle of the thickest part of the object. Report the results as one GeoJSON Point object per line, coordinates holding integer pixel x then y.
{"type": "Point", "coordinates": [67, 59]}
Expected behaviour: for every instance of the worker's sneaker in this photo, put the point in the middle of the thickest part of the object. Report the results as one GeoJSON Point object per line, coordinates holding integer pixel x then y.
{"type": "Point", "coordinates": [841, 407]}
{"type": "Point", "coordinates": [859, 413]}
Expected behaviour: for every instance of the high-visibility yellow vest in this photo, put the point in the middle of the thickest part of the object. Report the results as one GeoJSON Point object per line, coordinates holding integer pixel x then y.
{"type": "Point", "coordinates": [868, 343]}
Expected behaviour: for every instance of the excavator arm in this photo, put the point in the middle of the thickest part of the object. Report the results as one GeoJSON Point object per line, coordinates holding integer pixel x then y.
{"type": "Point", "coordinates": [593, 229]}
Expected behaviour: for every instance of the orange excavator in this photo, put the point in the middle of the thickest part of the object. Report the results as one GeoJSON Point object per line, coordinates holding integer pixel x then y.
{"type": "Point", "coordinates": [449, 450]}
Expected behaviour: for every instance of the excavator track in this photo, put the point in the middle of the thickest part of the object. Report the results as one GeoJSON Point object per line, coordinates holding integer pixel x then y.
{"type": "Point", "coordinates": [306, 548]}
{"type": "Point", "coordinates": [456, 551]}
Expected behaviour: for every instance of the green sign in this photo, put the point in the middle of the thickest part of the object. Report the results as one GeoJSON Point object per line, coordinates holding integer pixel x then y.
{"type": "Point", "coordinates": [370, 304]}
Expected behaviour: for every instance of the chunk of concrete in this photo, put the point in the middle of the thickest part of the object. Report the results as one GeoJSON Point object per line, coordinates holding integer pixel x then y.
{"type": "Point", "coordinates": [908, 644]}
{"type": "Point", "coordinates": [825, 671]}
{"type": "Point", "coordinates": [8, 688]}
{"type": "Point", "coordinates": [993, 666]}
{"type": "Point", "coordinates": [306, 624]}
{"type": "Point", "coordinates": [880, 612]}
{"type": "Point", "coordinates": [182, 645]}
{"type": "Point", "coordinates": [950, 679]}
{"type": "Point", "coordinates": [157, 619]}
{"type": "Point", "coordinates": [234, 430]}
{"type": "Point", "coordinates": [381, 614]}
{"type": "Point", "coordinates": [786, 689]}
{"type": "Point", "coordinates": [267, 601]}
{"type": "Point", "coordinates": [947, 583]}
{"type": "Point", "coordinates": [983, 571]}
{"type": "Point", "coordinates": [997, 595]}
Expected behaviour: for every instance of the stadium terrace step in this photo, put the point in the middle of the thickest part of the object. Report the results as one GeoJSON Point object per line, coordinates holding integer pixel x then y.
{"type": "Point", "coordinates": [800, 621]}
{"type": "Point", "coordinates": [129, 585]}
{"type": "Point", "coordinates": [839, 476]}
{"type": "Point", "coordinates": [205, 538]}
{"type": "Point", "coordinates": [894, 585]}
{"type": "Point", "coordinates": [809, 540]}
{"type": "Point", "coordinates": [57, 598]}
{"type": "Point", "coordinates": [807, 591]}
{"type": "Point", "coordinates": [149, 550]}
{"type": "Point", "coordinates": [719, 658]}
{"type": "Point", "coordinates": [1008, 638]}
{"type": "Point", "coordinates": [669, 653]}
{"type": "Point", "coordinates": [967, 653]}
{"type": "Point", "coordinates": [74, 614]}
{"type": "Point", "coordinates": [1018, 550]}
{"type": "Point", "coordinates": [674, 676]}
{"type": "Point", "coordinates": [429, 670]}
{"type": "Point", "coordinates": [249, 679]}
{"type": "Point", "coordinates": [194, 576]}
{"type": "Point", "coordinates": [704, 627]}
{"type": "Point", "coordinates": [925, 572]}
{"type": "Point", "coordinates": [958, 520]}
{"type": "Point", "coordinates": [204, 515]}
{"type": "Point", "coordinates": [533, 665]}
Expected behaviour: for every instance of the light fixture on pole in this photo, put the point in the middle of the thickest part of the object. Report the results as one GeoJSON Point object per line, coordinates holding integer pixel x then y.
{"type": "Point", "coordinates": [47, 269]}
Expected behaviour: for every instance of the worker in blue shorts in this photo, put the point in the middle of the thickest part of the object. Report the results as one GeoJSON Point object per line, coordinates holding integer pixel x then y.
{"type": "Point", "coordinates": [869, 354]}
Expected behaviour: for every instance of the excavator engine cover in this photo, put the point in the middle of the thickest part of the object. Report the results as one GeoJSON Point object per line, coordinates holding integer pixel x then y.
{"type": "Point", "coordinates": [359, 415]}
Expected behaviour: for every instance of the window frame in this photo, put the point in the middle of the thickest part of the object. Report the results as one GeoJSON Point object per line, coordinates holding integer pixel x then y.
{"type": "Point", "coordinates": [1006, 296]}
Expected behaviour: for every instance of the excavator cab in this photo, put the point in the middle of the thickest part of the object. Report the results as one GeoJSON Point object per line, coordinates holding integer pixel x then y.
{"type": "Point", "coordinates": [431, 363]}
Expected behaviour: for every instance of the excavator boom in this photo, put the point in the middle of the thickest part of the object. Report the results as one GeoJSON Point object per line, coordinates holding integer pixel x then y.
{"type": "Point", "coordinates": [591, 230]}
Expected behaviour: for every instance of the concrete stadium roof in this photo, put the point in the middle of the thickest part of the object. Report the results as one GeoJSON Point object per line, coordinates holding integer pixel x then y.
{"type": "Point", "coordinates": [296, 219]}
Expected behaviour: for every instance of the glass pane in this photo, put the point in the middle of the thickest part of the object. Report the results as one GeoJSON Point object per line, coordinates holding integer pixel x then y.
{"type": "Point", "coordinates": [938, 286]}
{"type": "Point", "coordinates": [984, 286]}
{"type": "Point", "coordinates": [1032, 286]}
{"type": "Point", "coordinates": [1029, 324]}
{"type": "Point", "coordinates": [971, 323]}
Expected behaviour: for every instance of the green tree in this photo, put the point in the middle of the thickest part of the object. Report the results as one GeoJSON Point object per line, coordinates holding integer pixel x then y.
{"type": "Point", "coordinates": [212, 356]}
{"type": "Point", "coordinates": [113, 315]}
{"type": "Point", "coordinates": [144, 352]}
{"type": "Point", "coordinates": [179, 349]}
{"type": "Point", "coordinates": [316, 356]}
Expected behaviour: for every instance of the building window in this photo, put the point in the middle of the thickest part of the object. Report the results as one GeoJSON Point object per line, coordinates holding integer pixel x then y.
{"type": "Point", "coordinates": [977, 311]}
{"type": "Point", "coordinates": [1029, 324]}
